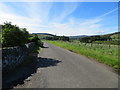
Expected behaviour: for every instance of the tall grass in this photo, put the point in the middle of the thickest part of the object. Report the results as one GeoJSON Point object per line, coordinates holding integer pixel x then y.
{"type": "Point", "coordinates": [107, 54]}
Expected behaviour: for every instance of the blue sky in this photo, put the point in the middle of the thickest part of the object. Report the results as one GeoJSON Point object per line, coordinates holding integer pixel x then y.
{"type": "Point", "coordinates": [62, 18]}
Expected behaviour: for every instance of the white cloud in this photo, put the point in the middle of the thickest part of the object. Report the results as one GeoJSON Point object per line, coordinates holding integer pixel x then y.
{"type": "Point", "coordinates": [61, 1]}
{"type": "Point", "coordinates": [32, 22]}
{"type": "Point", "coordinates": [68, 9]}
{"type": "Point", "coordinates": [40, 11]}
{"type": "Point", "coordinates": [105, 14]}
{"type": "Point", "coordinates": [37, 21]}
{"type": "Point", "coordinates": [86, 27]}
{"type": "Point", "coordinates": [75, 29]}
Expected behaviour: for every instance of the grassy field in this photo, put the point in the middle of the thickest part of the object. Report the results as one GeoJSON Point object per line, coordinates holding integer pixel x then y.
{"type": "Point", "coordinates": [107, 54]}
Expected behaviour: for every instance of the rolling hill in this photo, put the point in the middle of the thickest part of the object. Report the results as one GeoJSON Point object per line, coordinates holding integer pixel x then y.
{"type": "Point", "coordinates": [115, 35]}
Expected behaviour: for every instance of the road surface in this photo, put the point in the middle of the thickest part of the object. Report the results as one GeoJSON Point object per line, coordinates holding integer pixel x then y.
{"type": "Point", "coordinates": [60, 68]}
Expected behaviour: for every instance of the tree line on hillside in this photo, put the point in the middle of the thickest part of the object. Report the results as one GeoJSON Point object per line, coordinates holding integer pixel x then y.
{"type": "Point", "coordinates": [91, 39]}
{"type": "Point", "coordinates": [63, 38]}
{"type": "Point", "coordinates": [100, 39]}
{"type": "Point", "coordinates": [13, 35]}
{"type": "Point", "coordinates": [108, 39]}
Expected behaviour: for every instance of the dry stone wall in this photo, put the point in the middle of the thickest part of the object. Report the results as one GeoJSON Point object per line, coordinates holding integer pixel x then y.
{"type": "Point", "coordinates": [14, 56]}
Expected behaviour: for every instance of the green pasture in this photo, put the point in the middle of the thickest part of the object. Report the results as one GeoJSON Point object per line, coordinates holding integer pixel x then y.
{"type": "Point", "coordinates": [107, 54]}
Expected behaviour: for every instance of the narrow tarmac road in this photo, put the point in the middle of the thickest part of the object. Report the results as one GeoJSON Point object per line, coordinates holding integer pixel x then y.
{"type": "Point", "coordinates": [60, 68]}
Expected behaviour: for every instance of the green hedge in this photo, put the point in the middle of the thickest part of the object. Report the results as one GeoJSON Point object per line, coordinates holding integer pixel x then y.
{"type": "Point", "coordinates": [36, 40]}
{"type": "Point", "coordinates": [108, 42]}
{"type": "Point", "coordinates": [12, 35]}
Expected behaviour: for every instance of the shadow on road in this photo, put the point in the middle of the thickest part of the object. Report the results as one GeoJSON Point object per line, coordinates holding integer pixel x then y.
{"type": "Point", "coordinates": [47, 62]}
{"type": "Point", "coordinates": [45, 47]}
{"type": "Point", "coordinates": [21, 74]}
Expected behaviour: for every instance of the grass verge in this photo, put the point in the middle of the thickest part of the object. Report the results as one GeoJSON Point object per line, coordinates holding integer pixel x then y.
{"type": "Point", "coordinates": [103, 54]}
